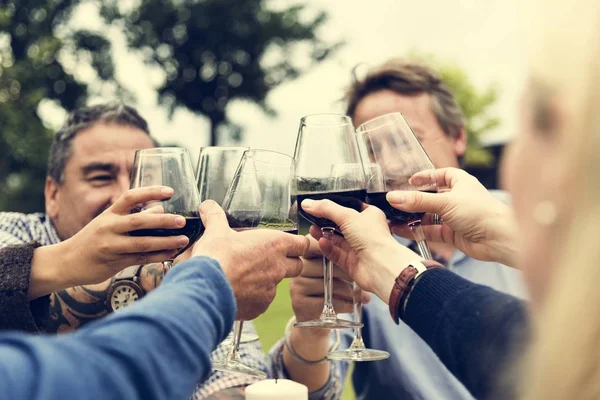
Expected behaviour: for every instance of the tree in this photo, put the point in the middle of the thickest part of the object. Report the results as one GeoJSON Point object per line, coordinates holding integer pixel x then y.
{"type": "Point", "coordinates": [216, 51]}
{"type": "Point", "coordinates": [476, 105]}
{"type": "Point", "coordinates": [33, 38]}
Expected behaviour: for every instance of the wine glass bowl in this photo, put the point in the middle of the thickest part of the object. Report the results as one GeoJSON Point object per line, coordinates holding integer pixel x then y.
{"type": "Point", "coordinates": [172, 167]}
{"type": "Point", "coordinates": [389, 142]}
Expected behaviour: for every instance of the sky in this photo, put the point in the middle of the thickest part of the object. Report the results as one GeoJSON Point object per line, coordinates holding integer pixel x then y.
{"type": "Point", "coordinates": [480, 36]}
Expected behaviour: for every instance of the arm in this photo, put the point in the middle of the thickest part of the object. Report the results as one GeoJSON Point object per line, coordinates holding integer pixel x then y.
{"type": "Point", "coordinates": [74, 307]}
{"type": "Point", "coordinates": [331, 376]}
{"type": "Point", "coordinates": [114, 358]}
{"type": "Point", "coordinates": [473, 329]}
{"type": "Point", "coordinates": [16, 311]}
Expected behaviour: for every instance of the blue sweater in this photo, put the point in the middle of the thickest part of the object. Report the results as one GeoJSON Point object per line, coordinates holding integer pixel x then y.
{"type": "Point", "coordinates": [156, 349]}
{"type": "Point", "coordinates": [476, 331]}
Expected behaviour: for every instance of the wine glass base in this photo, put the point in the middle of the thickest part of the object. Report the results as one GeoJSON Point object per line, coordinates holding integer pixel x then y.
{"type": "Point", "coordinates": [246, 338]}
{"type": "Point", "coordinates": [328, 323]}
{"type": "Point", "coordinates": [358, 355]}
{"type": "Point", "coordinates": [238, 368]}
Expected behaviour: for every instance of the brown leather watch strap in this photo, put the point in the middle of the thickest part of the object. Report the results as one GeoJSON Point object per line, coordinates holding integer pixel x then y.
{"type": "Point", "coordinates": [404, 281]}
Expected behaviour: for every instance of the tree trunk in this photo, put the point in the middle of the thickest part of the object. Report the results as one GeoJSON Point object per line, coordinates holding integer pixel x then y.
{"type": "Point", "coordinates": [214, 139]}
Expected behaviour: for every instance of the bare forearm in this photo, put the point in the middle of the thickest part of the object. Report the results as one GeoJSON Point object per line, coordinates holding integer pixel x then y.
{"type": "Point", "coordinates": [47, 274]}
{"type": "Point", "coordinates": [309, 345]}
{"type": "Point", "coordinates": [76, 306]}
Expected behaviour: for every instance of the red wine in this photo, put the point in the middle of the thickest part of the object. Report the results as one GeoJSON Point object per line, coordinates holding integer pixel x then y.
{"type": "Point", "coordinates": [347, 198]}
{"type": "Point", "coordinates": [378, 200]}
{"type": "Point", "coordinates": [193, 229]}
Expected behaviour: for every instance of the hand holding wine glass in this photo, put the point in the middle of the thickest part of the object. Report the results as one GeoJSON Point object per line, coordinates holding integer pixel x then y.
{"type": "Point", "coordinates": [367, 251]}
{"type": "Point", "coordinates": [389, 143]}
{"type": "Point", "coordinates": [260, 198]}
{"type": "Point", "coordinates": [326, 140]}
{"type": "Point", "coordinates": [474, 221]}
{"type": "Point", "coordinates": [254, 261]}
{"type": "Point", "coordinates": [171, 167]}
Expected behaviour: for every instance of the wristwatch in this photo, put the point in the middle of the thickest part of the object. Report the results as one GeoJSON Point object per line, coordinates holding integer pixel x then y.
{"type": "Point", "coordinates": [124, 289]}
{"type": "Point", "coordinates": [404, 282]}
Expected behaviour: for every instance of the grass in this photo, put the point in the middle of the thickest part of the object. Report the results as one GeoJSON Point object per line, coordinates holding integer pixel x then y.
{"type": "Point", "coordinates": [271, 325]}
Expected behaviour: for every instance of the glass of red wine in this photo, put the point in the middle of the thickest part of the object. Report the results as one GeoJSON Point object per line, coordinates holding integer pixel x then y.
{"type": "Point", "coordinates": [325, 140]}
{"type": "Point", "coordinates": [261, 196]}
{"type": "Point", "coordinates": [389, 143]}
{"type": "Point", "coordinates": [169, 166]}
{"type": "Point", "coordinates": [216, 167]}
{"type": "Point", "coordinates": [341, 176]}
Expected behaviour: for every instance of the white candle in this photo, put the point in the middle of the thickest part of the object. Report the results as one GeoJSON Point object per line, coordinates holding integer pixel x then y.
{"type": "Point", "coordinates": [276, 389]}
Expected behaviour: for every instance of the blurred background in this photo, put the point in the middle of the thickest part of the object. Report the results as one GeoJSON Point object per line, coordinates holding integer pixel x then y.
{"type": "Point", "coordinates": [206, 72]}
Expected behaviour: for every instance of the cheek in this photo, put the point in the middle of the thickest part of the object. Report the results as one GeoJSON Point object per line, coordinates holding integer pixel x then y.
{"type": "Point", "coordinates": [440, 151]}
{"type": "Point", "coordinates": [92, 201]}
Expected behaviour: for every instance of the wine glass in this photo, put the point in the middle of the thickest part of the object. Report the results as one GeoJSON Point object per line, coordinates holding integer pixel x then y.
{"type": "Point", "coordinates": [215, 171]}
{"type": "Point", "coordinates": [389, 142]}
{"type": "Point", "coordinates": [343, 175]}
{"type": "Point", "coordinates": [169, 166]}
{"type": "Point", "coordinates": [325, 140]}
{"type": "Point", "coordinates": [261, 196]}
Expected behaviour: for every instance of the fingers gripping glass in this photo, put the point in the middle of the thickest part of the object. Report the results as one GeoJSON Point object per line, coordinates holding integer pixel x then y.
{"type": "Point", "coordinates": [341, 174]}
{"type": "Point", "coordinates": [216, 168]}
{"type": "Point", "coordinates": [325, 140]}
{"type": "Point", "coordinates": [169, 166]}
{"type": "Point", "coordinates": [391, 155]}
{"type": "Point", "coordinates": [260, 197]}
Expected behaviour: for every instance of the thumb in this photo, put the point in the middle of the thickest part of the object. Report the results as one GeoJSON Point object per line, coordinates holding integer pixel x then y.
{"type": "Point", "coordinates": [213, 217]}
{"type": "Point", "coordinates": [414, 201]}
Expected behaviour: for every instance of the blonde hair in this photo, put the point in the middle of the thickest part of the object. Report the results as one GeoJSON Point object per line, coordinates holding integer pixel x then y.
{"type": "Point", "coordinates": [564, 360]}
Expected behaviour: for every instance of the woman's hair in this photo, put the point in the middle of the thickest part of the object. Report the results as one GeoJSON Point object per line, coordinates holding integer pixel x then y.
{"type": "Point", "coordinates": [564, 361]}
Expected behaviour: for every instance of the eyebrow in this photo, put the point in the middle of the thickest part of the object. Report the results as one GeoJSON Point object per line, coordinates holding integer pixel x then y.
{"type": "Point", "coordinates": [97, 166]}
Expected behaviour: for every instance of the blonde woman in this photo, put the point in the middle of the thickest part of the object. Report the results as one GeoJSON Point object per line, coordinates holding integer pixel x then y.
{"type": "Point", "coordinates": [552, 174]}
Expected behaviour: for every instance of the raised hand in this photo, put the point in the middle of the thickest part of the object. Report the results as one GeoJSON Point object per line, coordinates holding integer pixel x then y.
{"type": "Point", "coordinates": [254, 261]}
{"type": "Point", "coordinates": [474, 222]}
{"type": "Point", "coordinates": [367, 252]}
{"type": "Point", "coordinates": [103, 247]}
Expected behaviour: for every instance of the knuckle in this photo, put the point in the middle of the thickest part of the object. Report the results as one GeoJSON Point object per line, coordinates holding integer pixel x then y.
{"type": "Point", "coordinates": [141, 245]}
{"type": "Point", "coordinates": [135, 221]}
{"type": "Point", "coordinates": [128, 197]}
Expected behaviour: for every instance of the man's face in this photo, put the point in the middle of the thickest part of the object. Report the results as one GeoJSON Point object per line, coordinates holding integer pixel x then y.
{"type": "Point", "coordinates": [443, 150]}
{"type": "Point", "coordinates": [96, 174]}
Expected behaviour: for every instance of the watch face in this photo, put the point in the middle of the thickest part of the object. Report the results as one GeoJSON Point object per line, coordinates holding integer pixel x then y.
{"type": "Point", "coordinates": [124, 295]}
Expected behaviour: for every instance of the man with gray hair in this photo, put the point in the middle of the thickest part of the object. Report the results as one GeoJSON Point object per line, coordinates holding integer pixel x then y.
{"type": "Point", "coordinates": [89, 167]}
{"type": "Point", "coordinates": [413, 371]}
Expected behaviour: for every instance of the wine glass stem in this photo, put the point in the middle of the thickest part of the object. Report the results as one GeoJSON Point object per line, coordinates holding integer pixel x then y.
{"type": "Point", "coordinates": [167, 265]}
{"type": "Point", "coordinates": [328, 311]}
{"type": "Point", "coordinates": [417, 231]}
{"type": "Point", "coordinates": [238, 327]}
{"type": "Point", "coordinates": [357, 343]}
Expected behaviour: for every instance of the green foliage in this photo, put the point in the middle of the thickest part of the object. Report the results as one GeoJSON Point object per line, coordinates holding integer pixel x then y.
{"type": "Point", "coordinates": [32, 38]}
{"type": "Point", "coordinates": [476, 105]}
{"type": "Point", "coordinates": [215, 51]}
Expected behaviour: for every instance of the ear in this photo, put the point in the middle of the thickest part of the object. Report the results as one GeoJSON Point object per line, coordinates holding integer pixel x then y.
{"type": "Point", "coordinates": [51, 194]}
{"type": "Point", "coordinates": [459, 144]}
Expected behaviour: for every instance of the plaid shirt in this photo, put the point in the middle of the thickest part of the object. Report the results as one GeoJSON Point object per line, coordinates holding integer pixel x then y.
{"type": "Point", "coordinates": [16, 228]}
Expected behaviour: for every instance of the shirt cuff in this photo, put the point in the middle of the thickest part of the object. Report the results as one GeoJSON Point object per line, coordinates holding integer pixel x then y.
{"type": "Point", "coordinates": [17, 312]}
